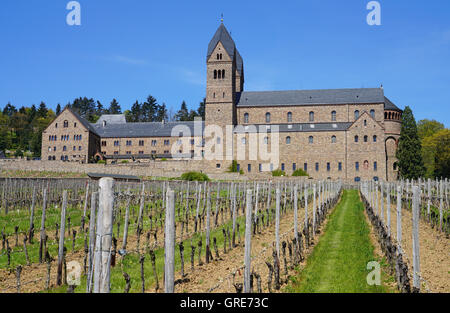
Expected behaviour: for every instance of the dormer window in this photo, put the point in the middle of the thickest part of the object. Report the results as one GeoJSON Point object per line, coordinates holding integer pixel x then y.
{"type": "Point", "coordinates": [311, 116]}
{"type": "Point", "coordinates": [289, 117]}
{"type": "Point", "coordinates": [356, 115]}
{"type": "Point", "coordinates": [246, 116]}
{"type": "Point", "coordinates": [372, 113]}
{"type": "Point", "coordinates": [333, 116]}
{"type": "Point", "coordinates": [267, 117]}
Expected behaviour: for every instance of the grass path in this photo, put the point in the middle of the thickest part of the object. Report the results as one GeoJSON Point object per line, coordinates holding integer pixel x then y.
{"type": "Point", "coordinates": [338, 262]}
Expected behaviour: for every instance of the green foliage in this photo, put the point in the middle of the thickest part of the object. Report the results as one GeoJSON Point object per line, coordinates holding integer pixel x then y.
{"type": "Point", "coordinates": [233, 167]}
{"type": "Point", "coordinates": [241, 171]}
{"type": "Point", "coordinates": [124, 161]}
{"type": "Point", "coordinates": [164, 159]}
{"type": "Point", "coordinates": [101, 162]}
{"type": "Point", "coordinates": [426, 128]}
{"type": "Point", "coordinates": [442, 156]}
{"type": "Point", "coordinates": [299, 172]}
{"type": "Point", "coordinates": [409, 152]}
{"type": "Point", "coordinates": [278, 173]}
{"type": "Point", "coordinates": [195, 176]}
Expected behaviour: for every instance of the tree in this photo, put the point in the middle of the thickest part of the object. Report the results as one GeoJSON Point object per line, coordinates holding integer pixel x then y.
{"type": "Point", "coordinates": [9, 110]}
{"type": "Point", "coordinates": [42, 111]}
{"type": "Point", "coordinates": [442, 156]}
{"type": "Point", "coordinates": [58, 109]}
{"type": "Point", "coordinates": [161, 113]}
{"type": "Point", "coordinates": [202, 109]}
{"type": "Point", "coordinates": [114, 108]}
{"type": "Point", "coordinates": [149, 109]}
{"type": "Point", "coordinates": [182, 114]}
{"type": "Point", "coordinates": [426, 128]}
{"type": "Point", "coordinates": [409, 154]}
{"type": "Point", "coordinates": [135, 113]}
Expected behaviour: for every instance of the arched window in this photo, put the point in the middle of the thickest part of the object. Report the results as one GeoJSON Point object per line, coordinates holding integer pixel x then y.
{"type": "Point", "coordinates": [223, 74]}
{"type": "Point", "coordinates": [289, 117]}
{"type": "Point", "coordinates": [246, 118]}
{"type": "Point", "coordinates": [220, 56]}
{"type": "Point", "coordinates": [75, 124]}
{"type": "Point", "coordinates": [215, 74]}
{"type": "Point", "coordinates": [219, 74]}
{"type": "Point", "coordinates": [64, 148]}
{"type": "Point", "coordinates": [311, 139]}
{"type": "Point", "coordinates": [366, 138]}
{"type": "Point", "coordinates": [311, 116]}
{"type": "Point", "coordinates": [267, 117]}
{"type": "Point", "coordinates": [333, 139]}
{"type": "Point", "coordinates": [366, 165]}
{"type": "Point", "coordinates": [365, 122]}
{"type": "Point", "coordinates": [356, 114]}
{"type": "Point", "coordinates": [288, 140]}
{"type": "Point", "coordinates": [333, 116]}
{"type": "Point", "coordinates": [375, 138]}
{"type": "Point", "coordinates": [385, 115]}
{"type": "Point", "coordinates": [217, 56]}
{"type": "Point", "coordinates": [357, 166]}
{"type": "Point", "coordinates": [80, 137]}
{"type": "Point", "coordinates": [56, 125]}
{"type": "Point", "coordinates": [372, 113]}
{"type": "Point", "coordinates": [66, 124]}
{"type": "Point", "coordinates": [356, 138]}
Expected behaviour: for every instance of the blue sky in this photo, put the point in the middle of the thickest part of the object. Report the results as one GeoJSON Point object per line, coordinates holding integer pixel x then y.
{"type": "Point", "coordinates": [128, 49]}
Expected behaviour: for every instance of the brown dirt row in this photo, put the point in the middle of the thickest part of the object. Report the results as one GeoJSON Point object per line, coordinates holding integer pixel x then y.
{"type": "Point", "coordinates": [434, 251]}
{"type": "Point", "coordinates": [218, 273]}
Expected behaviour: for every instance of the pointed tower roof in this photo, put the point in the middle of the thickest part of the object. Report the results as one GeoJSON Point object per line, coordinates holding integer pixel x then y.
{"type": "Point", "coordinates": [224, 37]}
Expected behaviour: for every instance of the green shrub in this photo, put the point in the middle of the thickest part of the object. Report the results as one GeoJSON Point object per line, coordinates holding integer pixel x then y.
{"type": "Point", "coordinates": [278, 173]}
{"type": "Point", "coordinates": [241, 172]}
{"type": "Point", "coordinates": [233, 167]}
{"type": "Point", "coordinates": [124, 161]}
{"type": "Point", "coordinates": [299, 172]}
{"type": "Point", "coordinates": [164, 159]}
{"type": "Point", "coordinates": [101, 162]}
{"type": "Point", "coordinates": [195, 176]}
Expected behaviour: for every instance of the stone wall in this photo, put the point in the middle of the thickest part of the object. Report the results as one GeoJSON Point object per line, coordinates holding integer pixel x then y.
{"type": "Point", "coordinates": [155, 169]}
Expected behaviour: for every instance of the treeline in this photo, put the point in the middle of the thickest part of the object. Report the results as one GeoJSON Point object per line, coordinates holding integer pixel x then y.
{"type": "Point", "coordinates": [424, 148]}
{"type": "Point", "coordinates": [21, 129]}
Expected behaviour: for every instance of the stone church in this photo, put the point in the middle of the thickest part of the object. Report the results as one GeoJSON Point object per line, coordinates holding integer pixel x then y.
{"type": "Point", "coordinates": [330, 133]}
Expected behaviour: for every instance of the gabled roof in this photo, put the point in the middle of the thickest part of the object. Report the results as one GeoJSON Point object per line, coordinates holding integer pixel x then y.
{"type": "Point", "coordinates": [112, 119]}
{"type": "Point", "coordinates": [148, 129]}
{"type": "Point", "coordinates": [310, 97]}
{"type": "Point", "coordinates": [224, 37]}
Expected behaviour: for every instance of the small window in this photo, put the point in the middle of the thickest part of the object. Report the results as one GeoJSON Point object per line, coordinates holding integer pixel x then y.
{"type": "Point", "coordinates": [215, 74]}
{"type": "Point", "coordinates": [305, 167]}
{"type": "Point", "coordinates": [356, 115]}
{"type": "Point", "coordinates": [80, 148]}
{"type": "Point", "coordinates": [266, 140]}
{"type": "Point", "coordinates": [166, 142]}
{"type": "Point", "coordinates": [238, 167]}
{"type": "Point", "coordinates": [317, 167]}
{"type": "Point", "coordinates": [375, 178]}
{"type": "Point", "coordinates": [375, 166]}
{"type": "Point", "coordinates": [56, 125]}
{"type": "Point", "coordinates": [294, 167]}
{"type": "Point", "coordinates": [288, 140]}
{"type": "Point", "coordinates": [192, 142]}
{"type": "Point", "coordinates": [64, 148]}
{"type": "Point", "coordinates": [365, 122]}
{"type": "Point", "coordinates": [333, 139]}
{"type": "Point", "coordinates": [75, 124]}
{"type": "Point", "coordinates": [328, 167]}
{"type": "Point", "coordinates": [340, 166]}
{"type": "Point", "coordinates": [372, 113]}
{"type": "Point", "coordinates": [141, 152]}
{"type": "Point", "coordinates": [366, 138]}
{"type": "Point", "coordinates": [282, 166]}
{"type": "Point", "coordinates": [333, 116]}
{"type": "Point", "coordinates": [103, 143]}
{"type": "Point", "coordinates": [66, 124]}
{"type": "Point", "coordinates": [267, 117]}
{"type": "Point", "coordinates": [249, 168]}
{"type": "Point", "coordinates": [356, 138]}
{"type": "Point", "coordinates": [357, 179]}
{"type": "Point", "coordinates": [260, 168]}
{"type": "Point", "coordinates": [218, 165]}
{"type": "Point", "coordinates": [311, 139]}
{"type": "Point", "coordinates": [154, 143]}
{"type": "Point", "coordinates": [246, 118]}
{"type": "Point", "coordinates": [311, 116]}
{"type": "Point", "coordinates": [218, 140]}
{"type": "Point", "coordinates": [374, 138]}
{"type": "Point", "coordinates": [357, 166]}
{"type": "Point", "coordinates": [289, 117]}
{"type": "Point", "coordinates": [74, 148]}
{"type": "Point", "coordinates": [141, 143]}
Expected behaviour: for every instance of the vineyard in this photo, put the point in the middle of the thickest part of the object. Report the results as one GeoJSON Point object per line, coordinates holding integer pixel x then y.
{"type": "Point", "coordinates": [79, 235]}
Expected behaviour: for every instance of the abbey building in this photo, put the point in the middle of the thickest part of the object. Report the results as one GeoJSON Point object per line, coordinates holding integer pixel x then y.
{"type": "Point", "coordinates": [330, 133]}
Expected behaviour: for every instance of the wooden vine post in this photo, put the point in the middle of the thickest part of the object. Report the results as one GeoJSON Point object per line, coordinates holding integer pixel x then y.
{"type": "Point", "coordinates": [277, 221]}
{"type": "Point", "coordinates": [415, 237]}
{"type": "Point", "coordinates": [102, 259]}
{"type": "Point", "coordinates": [61, 240]}
{"type": "Point", "coordinates": [169, 250]}
{"type": "Point", "coordinates": [248, 239]}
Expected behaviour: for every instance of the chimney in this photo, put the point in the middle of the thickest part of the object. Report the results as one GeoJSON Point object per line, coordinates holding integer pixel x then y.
{"type": "Point", "coordinates": [163, 121]}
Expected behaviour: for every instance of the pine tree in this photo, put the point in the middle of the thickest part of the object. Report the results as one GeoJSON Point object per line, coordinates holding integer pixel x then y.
{"type": "Point", "coordinates": [183, 113]}
{"type": "Point", "coordinates": [201, 109]}
{"type": "Point", "coordinates": [409, 154]}
{"type": "Point", "coordinates": [149, 109]}
{"type": "Point", "coordinates": [161, 113]}
{"type": "Point", "coordinates": [58, 109]}
{"type": "Point", "coordinates": [135, 113]}
{"type": "Point", "coordinates": [114, 108]}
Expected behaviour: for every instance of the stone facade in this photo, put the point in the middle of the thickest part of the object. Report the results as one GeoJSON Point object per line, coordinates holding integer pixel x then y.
{"type": "Point", "coordinates": [352, 135]}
